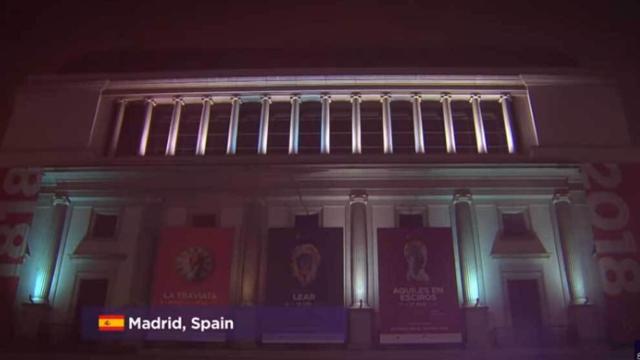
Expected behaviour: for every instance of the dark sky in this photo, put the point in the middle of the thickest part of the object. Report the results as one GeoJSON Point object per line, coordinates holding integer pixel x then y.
{"type": "Point", "coordinates": [122, 36]}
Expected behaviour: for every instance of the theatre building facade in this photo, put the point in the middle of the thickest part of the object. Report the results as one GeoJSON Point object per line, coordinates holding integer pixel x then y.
{"type": "Point", "coordinates": [484, 210]}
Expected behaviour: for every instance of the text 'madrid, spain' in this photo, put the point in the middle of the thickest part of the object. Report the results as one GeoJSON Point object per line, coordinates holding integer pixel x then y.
{"type": "Point", "coordinates": [178, 323]}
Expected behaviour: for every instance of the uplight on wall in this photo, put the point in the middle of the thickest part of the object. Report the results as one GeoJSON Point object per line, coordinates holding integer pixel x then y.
{"type": "Point", "coordinates": [39, 293]}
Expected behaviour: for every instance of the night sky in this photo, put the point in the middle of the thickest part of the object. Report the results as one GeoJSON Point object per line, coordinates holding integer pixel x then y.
{"type": "Point", "coordinates": [321, 37]}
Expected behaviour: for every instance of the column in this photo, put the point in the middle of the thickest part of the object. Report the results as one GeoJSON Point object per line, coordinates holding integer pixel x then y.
{"type": "Point", "coordinates": [356, 127]}
{"type": "Point", "coordinates": [386, 123]}
{"type": "Point", "coordinates": [263, 136]}
{"type": "Point", "coordinates": [48, 251]}
{"type": "Point", "coordinates": [172, 140]}
{"type": "Point", "coordinates": [325, 131]}
{"type": "Point", "coordinates": [253, 225]}
{"type": "Point", "coordinates": [481, 141]}
{"type": "Point", "coordinates": [360, 313]}
{"type": "Point", "coordinates": [203, 130]}
{"type": "Point", "coordinates": [505, 102]}
{"type": "Point", "coordinates": [113, 147]}
{"type": "Point", "coordinates": [294, 126]}
{"type": "Point", "coordinates": [418, 134]}
{"type": "Point", "coordinates": [476, 315]}
{"type": "Point", "coordinates": [233, 125]}
{"type": "Point", "coordinates": [449, 133]}
{"type": "Point", "coordinates": [144, 137]}
{"type": "Point", "coordinates": [359, 265]}
{"type": "Point", "coordinates": [466, 247]}
{"type": "Point", "coordinates": [564, 218]}
{"type": "Point", "coordinates": [584, 322]}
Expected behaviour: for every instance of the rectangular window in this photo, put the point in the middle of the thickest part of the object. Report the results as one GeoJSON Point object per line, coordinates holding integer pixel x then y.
{"type": "Point", "coordinates": [131, 131]}
{"type": "Point", "coordinates": [464, 131]}
{"type": "Point", "coordinates": [309, 136]}
{"type": "Point", "coordinates": [204, 220]}
{"type": "Point", "coordinates": [371, 124]}
{"type": "Point", "coordinates": [402, 127]}
{"type": "Point", "coordinates": [159, 130]}
{"type": "Point", "coordinates": [494, 127]}
{"type": "Point", "coordinates": [410, 220]}
{"type": "Point", "coordinates": [188, 129]}
{"type": "Point", "coordinates": [218, 131]}
{"type": "Point", "coordinates": [307, 221]}
{"type": "Point", "coordinates": [104, 225]}
{"type": "Point", "coordinates": [435, 141]}
{"type": "Point", "coordinates": [279, 124]}
{"type": "Point", "coordinates": [248, 128]}
{"type": "Point", "coordinates": [514, 224]}
{"type": "Point", "coordinates": [340, 127]}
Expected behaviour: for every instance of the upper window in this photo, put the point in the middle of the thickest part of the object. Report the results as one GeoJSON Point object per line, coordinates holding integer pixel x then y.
{"type": "Point", "coordinates": [204, 220]}
{"type": "Point", "coordinates": [132, 138]}
{"type": "Point", "coordinates": [131, 130]}
{"type": "Point", "coordinates": [307, 221]}
{"type": "Point", "coordinates": [514, 224]}
{"type": "Point", "coordinates": [340, 129]}
{"type": "Point", "coordinates": [104, 225]}
{"type": "Point", "coordinates": [402, 127]}
{"type": "Point", "coordinates": [309, 134]}
{"type": "Point", "coordinates": [410, 220]}
{"type": "Point", "coordinates": [279, 124]}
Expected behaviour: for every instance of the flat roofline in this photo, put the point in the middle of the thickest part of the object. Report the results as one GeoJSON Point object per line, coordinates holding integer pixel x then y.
{"type": "Point", "coordinates": [322, 77]}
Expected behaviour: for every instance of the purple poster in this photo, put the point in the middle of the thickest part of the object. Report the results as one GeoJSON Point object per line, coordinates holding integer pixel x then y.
{"type": "Point", "coordinates": [418, 293]}
{"type": "Point", "coordinates": [305, 286]}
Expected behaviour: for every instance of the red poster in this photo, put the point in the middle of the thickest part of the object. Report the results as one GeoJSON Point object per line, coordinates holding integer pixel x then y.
{"type": "Point", "coordinates": [14, 229]}
{"type": "Point", "coordinates": [418, 292]}
{"type": "Point", "coordinates": [193, 266]}
{"type": "Point", "coordinates": [18, 192]}
{"type": "Point", "coordinates": [19, 184]}
{"type": "Point", "coordinates": [614, 203]}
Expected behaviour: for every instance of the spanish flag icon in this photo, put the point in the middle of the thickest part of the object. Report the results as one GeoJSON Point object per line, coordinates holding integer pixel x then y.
{"type": "Point", "coordinates": [111, 322]}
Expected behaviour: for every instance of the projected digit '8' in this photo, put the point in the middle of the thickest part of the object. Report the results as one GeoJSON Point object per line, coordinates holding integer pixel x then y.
{"type": "Point", "coordinates": [619, 276]}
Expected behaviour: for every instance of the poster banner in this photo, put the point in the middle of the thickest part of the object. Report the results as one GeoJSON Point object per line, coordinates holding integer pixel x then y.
{"type": "Point", "coordinates": [18, 193]}
{"type": "Point", "coordinates": [417, 287]}
{"type": "Point", "coordinates": [193, 266]}
{"type": "Point", "coordinates": [20, 184]}
{"type": "Point", "coordinates": [614, 204]}
{"type": "Point", "coordinates": [305, 286]}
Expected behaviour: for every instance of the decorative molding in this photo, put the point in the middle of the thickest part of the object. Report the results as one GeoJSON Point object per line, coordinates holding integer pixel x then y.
{"type": "Point", "coordinates": [463, 195]}
{"type": "Point", "coordinates": [474, 96]}
{"type": "Point", "coordinates": [99, 256]}
{"type": "Point", "coordinates": [561, 196]}
{"type": "Point", "coordinates": [295, 98]}
{"type": "Point", "coordinates": [60, 199]}
{"type": "Point", "coordinates": [445, 97]}
{"type": "Point", "coordinates": [325, 98]}
{"type": "Point", "coordinates": [358, 196]}
{"type": "Point", "coordinates": [265, 98]}
{"type": "Point", "coordinates": [504, 97]}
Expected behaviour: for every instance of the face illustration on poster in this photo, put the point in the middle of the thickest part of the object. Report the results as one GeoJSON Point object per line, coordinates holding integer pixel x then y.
{"type": "Point", "coordinates": [415, 253]}
{"type": "Point", "coordinates": [305, 260]}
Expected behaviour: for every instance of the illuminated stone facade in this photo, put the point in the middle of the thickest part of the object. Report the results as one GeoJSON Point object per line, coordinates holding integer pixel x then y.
{"type": "Point", "coordinates": [496, 157]}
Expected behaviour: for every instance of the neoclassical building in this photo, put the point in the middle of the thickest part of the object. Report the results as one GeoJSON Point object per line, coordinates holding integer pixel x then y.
{"type": "Point", "coordinates": [100, 165]}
